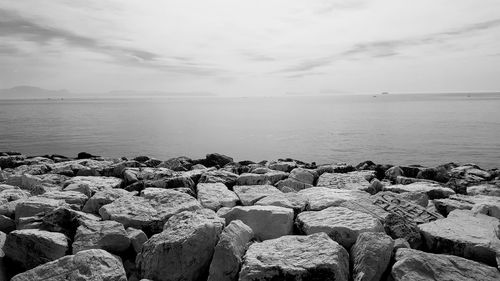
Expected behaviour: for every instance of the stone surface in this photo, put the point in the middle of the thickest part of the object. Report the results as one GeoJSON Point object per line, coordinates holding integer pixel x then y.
{"type": "Point", "coordinates": [30, 247]}
{"type": "Point", "coordinates": [106, 235]}
{"type": "Point", "coordinates": [249, 194]}
{"type": "Point", "coordinates": [434, 191]}
{"type": "Point", "coordinates": [304, 175]}
{"type": "Point", "coordinates": [137, 238]}
{"type": "Point", "coordinates": [132, 211]}
{"type": "Point", "coordinates": [419, 198]}
{"type": "Point", "coordinates": [184, 249]}
{"type": "Point", "coordinates": [7, 224]}
{"type": "Point", "coordinates": [319, 198]}
{"type": "Point", "coordinates": [65, 220]}
{"type": "Point", "coordinates": [312, 257]}
{"type": "Point", "coordinates": [351, 181]}
{"type": "Point", "coordinates": [267, 222]}
{"type": "Point", "coordinates": [219, 176]}
{"type": "Point", "coordinates": [413, 265]}
{"type": "Point", "coordinates": [341, 224]}
{"type": "Point", "coordinates": [288, 200]}
{"type": "Point", "coordinates": [215, 195]}
{"type": "Point", "coordinates": [464, 234]}
{"type": "Point", "coordinates": [37, 205]}
{"type": "Point", "coordinates": [90, 265]}
{"type": "Point", "coordinates": [370, 256]}
{"type": "Point", "coordinates": [292, 184]}
{"type": "Point", "coordinates": [70, 197]}
{"type": "Point", "coordinates": [102, 198]}
{"type": "Point", "coordinates": [95, 183]}
{"type": "Point", "coordinates": [397, 227]}
{"type": "Point", "coordinates": [484, 189]}
{"type": "Point", "coordinates": [365, 205]}
{"type": "Point", "coordinates": [229, 251]}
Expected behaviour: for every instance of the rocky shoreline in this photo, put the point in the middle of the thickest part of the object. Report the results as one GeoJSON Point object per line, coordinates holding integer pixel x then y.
{"type": "Point", "coordinates": [97, 218]}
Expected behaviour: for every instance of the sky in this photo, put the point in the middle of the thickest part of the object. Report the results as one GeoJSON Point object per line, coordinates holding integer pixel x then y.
{"type": "Point", "coordinates": [247, 48]}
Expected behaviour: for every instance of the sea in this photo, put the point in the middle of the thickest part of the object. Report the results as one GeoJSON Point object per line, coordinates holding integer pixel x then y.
{"type": "Point", "coordinates": [400, 129]}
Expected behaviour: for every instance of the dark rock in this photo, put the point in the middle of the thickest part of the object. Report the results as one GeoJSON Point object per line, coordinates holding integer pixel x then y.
{"type": "Point", "coordinates": [86, 155]}
{"type": "Point", "coordinates": [216, 159]}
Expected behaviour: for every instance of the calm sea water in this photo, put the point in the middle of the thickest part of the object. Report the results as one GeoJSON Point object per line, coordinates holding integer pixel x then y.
{"type": "Point", "coordinates": [397, 129]}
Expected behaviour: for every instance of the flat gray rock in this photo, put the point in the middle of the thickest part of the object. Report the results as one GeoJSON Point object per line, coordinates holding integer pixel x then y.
{"type": "Point", "coordinates": [290, 200]}
{"type": "Point", "coordinates": [107, 235]}
{"type": "Point", "coordinates": [371, 255]}
{"type": "Point", "coordinates": [37, 205]}
{"type": "Point", "coordinates": [434, 191]}
{"type": "Point", "coordinates": [304, 175]}
{"type": "Point", "coordinates": [95, 183]}
{"type": "Point", "coordinates": [103, 197]}
{"type": "Point", "coordinates": [484, 189]}
{"type": "Point", "coordinates": [215, 195]}
{"type": "Point", "coordinates": [70, 197]}
{"type": "Point", "coordinates": [249, 194]}
{"type": "Point", "coordinates": [319, 198]}
{"type": "Point", "coordinates": [312, 257]}
{"type": "Point", "coordinates": [351, 181]}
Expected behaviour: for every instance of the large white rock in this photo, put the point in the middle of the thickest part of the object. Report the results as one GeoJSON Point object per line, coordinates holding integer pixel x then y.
{"type": "Point", "coordinates": [169, 202]}
{"type": "Point", "coordinates": [95, 183]}
{"type": "Point", "coordinates": [288, 200]}
{"type": "Point", "coordinates": [215, 195]}
{"type": "Point", "coordinates": [304, 175]}
{"type": "Point", "coordinates": [249, 194]}
{"type": "Point", "coordinates": [413, 265]}
{"type": "Point", "coordinates": [341, 224]}
{"type": "Point", "coordinates": [90, 265]}
{"type": "Point", "coordinates": [434, 191]}
{"type": "Point", "coordinates": [370, 256]}
{"type": "Point", "coordinates": [37, 205]}
{"type": "Point", "coordinates": [102, 198]}
{"type": "Point", "coordinates": [319, 198]}
{"type": "Point", "coordinates": [107, 235]}
{"type": "Point", "coordinates": [228, 255]}
{"type": "Point", "coordinates": [261, 179]}
{"type": "Point", "coordinates": [132, 211]}
{"type": "Point", "coordinates": [351, 181]}
{"type": "Point", "coordinates": [184, 249]}
{"type": "Point", "coordinates": [312, 257]}
{"type": "Point", "coordinates": [464, 234]}
{"type": "Point", "coordinates": [267, 222]}
{"type": "Point", "coordinates": [29, 248]}
{"type": "Point", "coordinates": [292, 185]}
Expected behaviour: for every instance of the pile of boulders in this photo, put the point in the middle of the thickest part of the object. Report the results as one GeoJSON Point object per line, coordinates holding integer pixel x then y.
{"type": "Point", "coordinates": [96, 218]}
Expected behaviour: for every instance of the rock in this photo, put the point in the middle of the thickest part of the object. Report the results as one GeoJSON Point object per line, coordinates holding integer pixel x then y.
{"type": "Point", "coordinates": [489, 209]}
{"type": "Point", "coordinates": [394, 172]}
{"type": "Point", "coordinates": [288, 200]}
{"type": "Point", "coordinates": [30, 247]}
{"type": "Point", "coordinates": [216, 159]}
{"type": "Point", "coordinates": [416, 265]}
{"type": "Point", "coordinates": [249, 194]}
{"type": "Point", "coordinates": [365, 205]}
{"type": "Point", "coordinates": [312, 257]}
{"type": "Point", "coordinates": [370, 255]}
{"type": "Point", "coordinates": [397, 227]}
{"type": "Point", "coordinates": [90, 265]}
{"type": "Point", "coordinates": [405, 180]}
{"type": "Point", "coordinates": [215, 195]}
{"type": "Point", "coordinates": [260, 218]}
{"type": "Point", "coordinates": [70, 197]}
{"type": "Point", "coordinates": [464, 234]}
{"type": "Point", "coordinates": [434, 191]}
{"type": "Point", "coordinates": [95, 183]}
{"type": "Point", "coordinates": [350, 181]}
{"type": "Point", "coordinates": [36, 185]}
{"type": "Point", "coordinates": [419, 198]}
{"type": "Point", "coordinates": [7, 187]}
{"type": "Point", "coordinates": [14, 194]}
{"type": "Point", "coordinates": [7, 224]}
{"type": "Point", "coordinates": [137, 238]}
{"type": "Point", "coordinates": [133, 211]}
{"type": "Point", "coordinates": [341, 224]}
{"type": "Point", "coordinates": [261, 179]}
{"type": "Point", "coordinates": [65, 220]}
{"type": "Point", "coordinates": [292, 184]}
{"type": "Point", "coordinates": [400, 243]}
{"type": "Point", "coordinates": [229, 251]}
{"type": "Point", "coordinates": [37, 205]}
{"type": "Point", "coordinates": [319, 198]}
{"type": "Point", "coordinates": [282, 166]}
{"type": "Point", "coordinates": [170, 202]}
{"type": "Point", "coordinates": [484, 189]}
{"type": "Point", "coordinates": [219, 176]}
{"type": "Point", "coordinates": [107, 235]}
{"type": "Point", "coordinates": [102, 198]}
{"type": "Point", "coordinates": [184, 249]}
{"type": "Point", "coordinates": [454, 202]}
{"type": "Point", "coordinates": [304, 175]}
{"type": "Point", "coordinates": [337, 168]}
{"type": "Point", "coordinates": [177, 164]}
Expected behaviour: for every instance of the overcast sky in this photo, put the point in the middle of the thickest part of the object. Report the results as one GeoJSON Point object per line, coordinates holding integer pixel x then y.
{"type": "Point", "coordinates": [268, 47]}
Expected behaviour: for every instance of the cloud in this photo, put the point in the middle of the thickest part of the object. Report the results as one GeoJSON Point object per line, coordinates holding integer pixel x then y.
{"type": "Point", "coordinates": [14, 25]}
{"type": "Point", "coordinates": [389, 48]}
{"type": "Point", "coordinates": [254, 56]}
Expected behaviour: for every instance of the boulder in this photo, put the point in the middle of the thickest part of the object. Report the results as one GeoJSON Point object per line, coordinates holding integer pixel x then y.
{"type": "Point", "coordinates": [216, 159]}
{"type": "Point", "coordinates": [398, 227]}
{"type": "Point", "coordinates": [419, 198]}
{"type": "Point", "coordinates": [288, 200]}
{"type": "Point", "coordinates": [434, 191]}
{"type": "Point", "coordinates": [103, 197]}
{"type": "Point", "coordinates": [304, 175]}
{"type": "Point", "coordinates": [371, 255]}
{"type": "Point", "coordinates": [65, 220]}
{"type": "Point", "coordinates": [249, 194]}
{"type": "Point", "coordinates": [312, 257]}
{"type": "Point", "coordinates": [292, 184]}
{"type": "Point", "coordinates": [215, 195]}
{"type": "Point", "coordinates": [177, 164]}
{"type": "Point", "coordinates": [464, 234]}
{"type": "Point", "coordinates": [335, 168]}
{"type": "Point", "coordinates": [137, 238]}
{"type": "Point", "coordinates": [7, 224]}
{"type": "Point", "coordinates": [29, 248]}
{"type": "Point", "coordinates": [267, 222]}
{"type": "Point", "coordinates": [350, 181]}
{"type": "Point", "coordinates": [365, 205]}
{"type": "Point", "coordinates": [319, 198]}
{"type": "Point", "coordinates": [417, 265]}
{"type": "Point", "coordinates": [484, 189]}
{"type": "Point", "coordinates": [169, 202]}
{"type": "Point", "coordinates": [393, 172]}
{"type": "Point", "coordinates": [133, 211]}
{"type": "Point", "coordinates": [261, 179]}
{"type": "Point", "coordinates": [37, 205]}
{"type": "Point", "coordinates": [228, 254]}
{"type": "Point", "coordinates": [341, 224]}
{"type": "Point", "coordinates": [70, 197]}
{"type": "Point", "coordinates": [283, 166]}
{"type": "Point", "coordinates": [107, 235]}
{"type": "Point", "coordinates": [184, 249]}
{"type": "Point", "coordinates": [90, 265]}
{"type": "Point", "coordinates": [219, 176]}
{"type": "Point", "coordinates": [95, 183]}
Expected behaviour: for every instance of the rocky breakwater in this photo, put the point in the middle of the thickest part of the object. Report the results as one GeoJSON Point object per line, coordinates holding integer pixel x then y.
{"type": "Point", "coordinates": [96, 218]}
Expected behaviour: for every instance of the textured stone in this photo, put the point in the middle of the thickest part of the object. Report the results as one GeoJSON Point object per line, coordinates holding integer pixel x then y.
{"type": "Point", "coordinates": [249, 194]}
{"type": "Point", "coordinates": [7, 224]}
{"type": "Point", "coordinates": [434, 191]}
{"type": "Point", "coordinates": [464, 234]}
{"type": "Point", "coordinates": [292, 184]}
{"type": "Point", "coordinates": [29, 248]}
{"type": "Point", "coordinates": [229, 252]}
{"type": "Point", "coordinates": [106, 235]}
{"type": "Point", "coordinates": [366, 205]}
{"type": "Point", "coordinates": [65, 220]}
{"type": "Point", "coordinates": [413, 265]}
{"type": "Point", "coordinates": [37, 205]}
{"type": "Point", "coordinates": [399, 227]}
{"type": "Point", "coordinates": [132, 211]}
{"type": "Point", "coordinates": [219, 176]}
{"type": "Point", "coordinates": [370, 256]}
{"type": "Point", "coordinates": [102, 198]}
{"type": "Point", "coordinates": [288, 200]}
{"type": "Point", "coordinates": [312, 257]}
{"type": "Point", "coordinates": [350, 181]}
{"type": "Point", "coordinates": [267, 222]}
{"type": "Point", "coordinates": [319, 198]}
{"type": "Point", "coordinates": [304, 175]}
{"type": "Point", "coordinates": [90, 265]}
{"type": "Point", "coordinates": [70, 197]}
{"type": "Point", "coordinates": [419, 198]}
{"type": "Point", "coordinates": [137, 238]}
{"type": "Point", "coordinates": [215, 195]}
{"type": "Point", "coordinates": [95, 183]}
{"type": "Point", "coordinates": [341, 224]}
{"type": "Point", "coordinates": [184, 249]}
{"type": "Point", "coordinates": [484, 189]}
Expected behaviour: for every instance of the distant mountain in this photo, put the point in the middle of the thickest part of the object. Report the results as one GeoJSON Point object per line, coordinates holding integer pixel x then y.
{"type": "Point", "coordinates": [29, 92]}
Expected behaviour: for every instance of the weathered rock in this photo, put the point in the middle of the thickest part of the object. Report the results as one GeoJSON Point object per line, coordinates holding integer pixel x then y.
{"type": "Point", "coordinates": [102, 198]}
{"type": "Point", "coordinates": [419, 198]}
{"type": "Point", "coordinates": [137, 238]}
{"type": "Point", "coordinates": [249, 194]}
{"type": "Point", "coordinates": [341, 224]}
{"type": "Point", "coordinates": [70, 197]}
{"type": "Point", "coordinates": [184, 249]}
{"type": "Point", "coordinates": [288, 200]}
{"type": "Point", "coordinates": [312, 257]}
{"type": "Point", "coordinates": [216, 159]}
{"type": "Point", "coordinates": [335, 168]}
{"type": "Point", "coordinates": [215, 195]}
{"type": "Point", "coordinates": [267, 222]}
{"type": "Point", "coordinates": [14, 194]}
{"type": "Point", "coordinates": [464, 234]}
{"type": "Point", "coordinates": [107, 235]}
{"type": "Point", "coordinates": [405, 180]}
{"type": "Point", "coordinates": [65, 220]}
{"type": "Point", "coordinates": [132, 211]}
{"type": "Point", "coordinates": [350, 181]}
{"type": "Point", "coordinates": [292, 184]}
{"type": "Point", "coordinates": [393, 173]}
{"type": "Point", "coordinates": [36, 185]}
{"type": "Point", "coordinates": [319, 198]}
{"type": "Point", "coordinates": [30, 247]}
{"type": "Point", "coordinates": [398, 226]}
{"type": "Point", "coordinates": [283, 166]}
{"type": "Point", "coordinates": [229, 252]}
{"type": "Point", "coordinates": [416, 265]}
{"type": "Point", "coordinates": [95, 183]}
{"type": "Point", "coordinates": [261, 179]}
{"type": "Point", "coordinates": [7, 224]}
{"type": "Point", "coordinates": [489, 209]}
{"type": "Point", "coordinates": [434, 191]}
{"type": "Point", "coordinates": [365, 205]}
{"type": "Point", "coordinates": [7, 187]}
{"type": "Point", "coordinates": [37, 205]}
{"type": "Point", "coordinates": [304, 175]}
{"type": "Point", "coordinates": [219, 176]}
{"type": "Point", "coordinates": [484, 189]}
{"type": "Point", "coordinates": [370, 256]}
{"type": "Point", "coordinates": [177, 164]}
{"type": "Point", "coordinates": [169, 202]}
{"type": "Point", "coordinates": [90, 265]}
